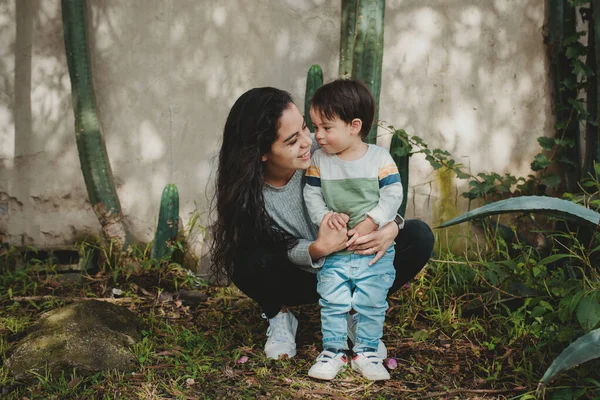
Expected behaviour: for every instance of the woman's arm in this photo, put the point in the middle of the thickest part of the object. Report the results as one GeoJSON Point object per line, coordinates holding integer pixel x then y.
{"type": "Point", "coordinates": [308, 253]}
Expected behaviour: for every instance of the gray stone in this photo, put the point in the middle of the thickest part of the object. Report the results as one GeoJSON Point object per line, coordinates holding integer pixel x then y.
{"type": "Point", "coordinates": [91, 336]}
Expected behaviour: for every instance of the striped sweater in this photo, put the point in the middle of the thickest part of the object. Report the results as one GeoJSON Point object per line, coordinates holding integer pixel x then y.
{"type": "Point", "coordinates": [369, 186]}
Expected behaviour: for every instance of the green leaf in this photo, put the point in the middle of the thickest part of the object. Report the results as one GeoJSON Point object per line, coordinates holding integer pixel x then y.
{"type": "Point", "coordinates": [581, 350]}
{"type": "Point", "coordinates": [575, 50]}
{"type": "Point", "coordinates": [551, 180]}
{"type": "Point", "coordinates": [540, 162]}
{"type": "Point", "coordinates": [597, 168]}
{"type": "Point", "coordinates": [541, 204]}
{"type": "Point", "coordinates": [433, 162]}
{"type": "Point", "coordinates": [563, 394]}
{"type": "Point", "coordinates": [461, 175]}
{"type": "Point", "coordinates": [575, 300]}
{"type": "Point", "coordinates": [554, 257]}
{"type": "Point", "coordinates": [547, 143]}
{"type": "Point", "coordinates": [588, 312]}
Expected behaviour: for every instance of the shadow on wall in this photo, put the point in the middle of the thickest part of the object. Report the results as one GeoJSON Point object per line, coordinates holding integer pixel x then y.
{"type": "Point", "coordinates": [468, 77]}
{"type": "Point", "coordinates": [35, 110]}
{"type": "Point", "coordinates": [165, 74]}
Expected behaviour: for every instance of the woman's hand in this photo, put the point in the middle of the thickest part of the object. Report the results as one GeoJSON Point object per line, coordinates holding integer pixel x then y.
{"type": "Point", "coordinates": [365, 227]}
{"type": "Point", "coordinates": [373, 243]}
{"type": "Point", "coordinates": [329, 240]}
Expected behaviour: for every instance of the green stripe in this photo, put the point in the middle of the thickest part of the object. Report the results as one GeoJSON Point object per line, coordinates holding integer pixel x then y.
{"type": "Point", "coordinates": [354, 197]}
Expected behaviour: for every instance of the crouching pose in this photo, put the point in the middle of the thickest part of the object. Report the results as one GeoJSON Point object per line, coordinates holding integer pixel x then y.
{"type": "Point", "coordinates": [264, 240]}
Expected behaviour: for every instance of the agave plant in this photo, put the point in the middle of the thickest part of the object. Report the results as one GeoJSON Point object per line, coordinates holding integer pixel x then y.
{"type": "Point", "coordinates": [586, 347]}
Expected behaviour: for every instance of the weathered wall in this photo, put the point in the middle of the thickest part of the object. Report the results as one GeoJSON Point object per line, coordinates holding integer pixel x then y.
{"type": "Point", "coordinates": [468, 76]}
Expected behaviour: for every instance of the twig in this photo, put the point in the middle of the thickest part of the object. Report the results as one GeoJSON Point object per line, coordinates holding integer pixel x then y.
{"type": "Point", "coordinates": [476, 391]}
{"type": "Point", "coordinates": [72, 299]}
{"type": "Point", "coordinates": [450, 262]}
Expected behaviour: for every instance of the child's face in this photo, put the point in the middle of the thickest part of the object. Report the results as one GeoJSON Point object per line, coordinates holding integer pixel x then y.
{"type": "Point", "coordinates": [335, 136]}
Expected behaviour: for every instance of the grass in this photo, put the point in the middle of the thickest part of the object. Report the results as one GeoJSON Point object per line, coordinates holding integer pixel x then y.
{"type": "Point", "coordinates": [192, 351]}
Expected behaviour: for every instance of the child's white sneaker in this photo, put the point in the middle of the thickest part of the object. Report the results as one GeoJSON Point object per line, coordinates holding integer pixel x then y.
{"type": "Point", "coordinates": [328, 365]}
{"type": "Point", "coordinates": [281, 335]}
{"type": "Point", "coordinates": [352, 322]}
{"type": "Point", "coordinates": [370, 366]}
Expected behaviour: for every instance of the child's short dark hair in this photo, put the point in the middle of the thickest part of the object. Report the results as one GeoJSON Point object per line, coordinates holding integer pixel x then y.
{"type": "Point", "coordinates": [345, 99]}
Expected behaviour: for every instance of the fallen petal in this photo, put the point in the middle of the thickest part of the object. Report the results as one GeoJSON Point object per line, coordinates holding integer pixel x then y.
{"type": "Point", "coordinates": [391, 363]}
{"type": "Point", "coordinates": [190, 381]}
{"type": "Point", "coordinates": [288, 380]}
{"type": "Point", "coordinates": [242, 360]}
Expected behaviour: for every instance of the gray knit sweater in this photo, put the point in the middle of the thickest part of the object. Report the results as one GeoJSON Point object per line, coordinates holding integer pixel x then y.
{"type": "Point", "coordinates": [286, 206]}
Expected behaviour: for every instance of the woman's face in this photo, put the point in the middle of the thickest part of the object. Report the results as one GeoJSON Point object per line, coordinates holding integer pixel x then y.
{"type": "Point", "coordinates": [291, 150]}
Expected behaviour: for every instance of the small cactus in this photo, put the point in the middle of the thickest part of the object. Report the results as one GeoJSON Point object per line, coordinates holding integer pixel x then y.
{"type": "Point", "coordinates": [314, 80]}
{"type": "Point", "coordinates": [400, 152]}
{"type": "Point", "coordinates": [168, 222]}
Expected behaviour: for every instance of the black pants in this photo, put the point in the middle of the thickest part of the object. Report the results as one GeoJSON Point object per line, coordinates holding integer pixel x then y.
{"type": "Point", "coordinates": [274, 281]}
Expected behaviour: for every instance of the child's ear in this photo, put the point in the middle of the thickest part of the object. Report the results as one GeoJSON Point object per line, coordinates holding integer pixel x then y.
{"type": "Point", "coordinates": [356, 125]}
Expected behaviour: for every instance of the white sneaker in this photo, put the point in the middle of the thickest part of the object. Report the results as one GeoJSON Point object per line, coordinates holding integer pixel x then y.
{"type": "Point", "coordinates": [370, 366]}
{"type": "Point", "coordinates": [281, 335]}
{"type": "Point", "coordinates": [352, 322]}
{"type": "Point", "coordinates": [328, 365]}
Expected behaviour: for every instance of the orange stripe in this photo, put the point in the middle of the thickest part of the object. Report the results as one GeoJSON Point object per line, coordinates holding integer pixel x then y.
{"type": "Point", "coordinates": [313, 171]}
{"type": "Point", "coordinates": [387, 170]}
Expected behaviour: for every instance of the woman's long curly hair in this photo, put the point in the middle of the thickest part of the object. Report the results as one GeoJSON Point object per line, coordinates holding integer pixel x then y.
{"type": "Point", "coordinates": [242, 223]}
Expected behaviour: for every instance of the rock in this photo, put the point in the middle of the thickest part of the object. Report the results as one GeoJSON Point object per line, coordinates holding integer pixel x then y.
{"type": "Point", "coordinates": [91, 336]}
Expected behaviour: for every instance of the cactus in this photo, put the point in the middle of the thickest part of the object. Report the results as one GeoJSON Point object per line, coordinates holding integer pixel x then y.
{"type": "Point", "coordinates": [562, 26]}
{"type": "Point", "coordinates": [168, 222]}
{"type": "Point", "coordinates": [93, 157]}
{"type": "Point", "coordinates": [592, 141]}
{"type": "Point", "coordinates": [314, 79]}
{"type": "Point", "coordinates": [596, 33]}
{"type": "Point", "coordinates": [591, 130]}
{"type": "Point", "coordinates": [368, 50]}
{"type": "Point", "coordinates": [348, 28]}
{"type": "Point", "coordinates": [400, 152]}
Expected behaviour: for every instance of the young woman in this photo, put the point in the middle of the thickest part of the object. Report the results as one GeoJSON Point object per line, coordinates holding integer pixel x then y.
{"type": "Point", "coordinates": [264, 240]}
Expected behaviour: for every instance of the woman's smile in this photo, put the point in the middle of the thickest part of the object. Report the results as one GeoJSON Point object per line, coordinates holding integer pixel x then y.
{"type": "Point", "coordinates": [305, 156]}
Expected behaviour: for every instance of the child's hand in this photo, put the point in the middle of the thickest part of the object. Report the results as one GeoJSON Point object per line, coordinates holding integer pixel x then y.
{"type": "Point", "coordinates": [338, 221]}
{"type": "Point", "coordinates": [364, 228]}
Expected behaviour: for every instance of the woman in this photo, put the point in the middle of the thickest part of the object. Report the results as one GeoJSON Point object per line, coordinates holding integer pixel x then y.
{"type": "Point", "coordinates": [264, 240]}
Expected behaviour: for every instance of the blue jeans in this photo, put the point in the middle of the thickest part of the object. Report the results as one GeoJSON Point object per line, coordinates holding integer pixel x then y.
{"type": "Point", "coordinates": [345, 282]}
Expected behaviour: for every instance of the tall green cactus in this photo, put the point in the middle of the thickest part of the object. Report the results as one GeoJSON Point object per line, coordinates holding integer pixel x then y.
{"type": "Point", "coordinates": [314, 80]}
{"type": "Point", "coordinates": [367, 52]}
{"type": "Point", "coordinates": [347, 38]}
{"type": "Point", "coordinates": [591, 130]}
{"type": "Point", "coordinates": [594, 147]}
{"type": "Point", "coordinates": [93, 157]}
{"type": "Point", "coordinates": [168, 222]}
{"type": "Point", "coordinates": [562, 26]}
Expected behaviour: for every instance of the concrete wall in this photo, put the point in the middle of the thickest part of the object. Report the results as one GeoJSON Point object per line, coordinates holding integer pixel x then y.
{"type": "Point", "coordinates": [468, 76]}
